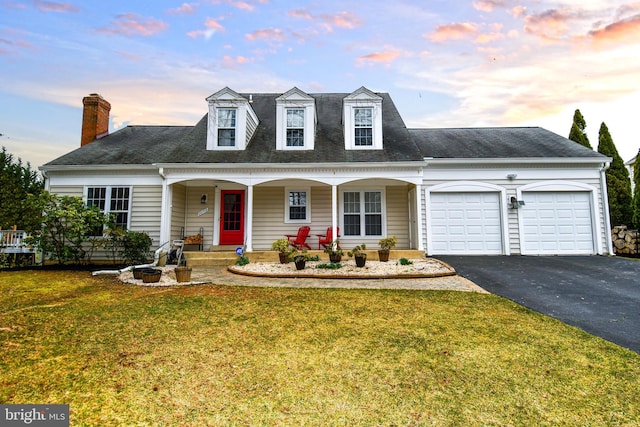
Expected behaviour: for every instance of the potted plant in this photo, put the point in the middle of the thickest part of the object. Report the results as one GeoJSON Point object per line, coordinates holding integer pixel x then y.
{"type": "Point", "coordinates": [183, 273]}
{"type": "Point", "coordinates": [386, 244]}
{"type": "Point", "coordinates": [359, 254]}
{"type": "Point", "coordinates": [284, 250]}
{"type": "Point", "coordinates": [300, 259]}
{"type": "Point", "coordinates": [334, 251]}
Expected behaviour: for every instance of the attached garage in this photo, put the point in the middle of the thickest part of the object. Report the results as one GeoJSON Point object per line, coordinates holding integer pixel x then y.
{"type": "Point", "coordinates": [557, 223]}
{"type": "Point", "coordinates": [465, 223]}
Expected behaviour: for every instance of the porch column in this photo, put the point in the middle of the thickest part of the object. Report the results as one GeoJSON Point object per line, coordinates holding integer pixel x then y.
{"type": "Point", "coordinates": [165, 213]}
{"type": "Point", "coordinates": [334, 212]}
{"type": "Point", "coordinates": [418, 213]}
{"type": "Point", "coordinates": [249, 220]}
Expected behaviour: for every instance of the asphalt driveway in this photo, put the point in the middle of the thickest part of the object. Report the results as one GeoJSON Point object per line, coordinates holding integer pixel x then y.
{"type": "Point", "coordinates": [598, 294]}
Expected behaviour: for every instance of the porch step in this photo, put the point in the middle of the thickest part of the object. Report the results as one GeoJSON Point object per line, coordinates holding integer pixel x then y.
{"type": "Point", "coordinates": [229, 257]}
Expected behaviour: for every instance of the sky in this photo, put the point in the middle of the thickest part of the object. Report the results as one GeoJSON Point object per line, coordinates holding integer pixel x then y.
{"type": "Point", "coordinates": [445, 63]}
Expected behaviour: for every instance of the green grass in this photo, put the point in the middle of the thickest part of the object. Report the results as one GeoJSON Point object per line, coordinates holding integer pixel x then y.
{"type": "Point", "coordinates": [217, 355]}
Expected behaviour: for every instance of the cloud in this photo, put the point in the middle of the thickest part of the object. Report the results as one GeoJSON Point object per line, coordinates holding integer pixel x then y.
{"type": "Point", "coordinates": [50, 6]}
{"type": "Point", "coordinates": [454, 31]}
{"type": "Point", "coordinates": [131, 24]}
{"type": "Point", "coordinates": [627, 29]}
{"type": "Point", "coordinates": [212, 26]}
{"type": "Point", "coordinates": [247, 6]}
{"type": "Point", "coordinates": [267, 34]}
{"type": "Point", "coordinates": [184, 9]}
{"type": "Point", "coordinates": [328, 22]}
{"type": "Point", "coordinates": [12, 5]}
{"type": "Point", "coordinates": [230, 62]}
{"type": "Point", "coordinates": [11, 42]}
{"type": "Point", "coordinates": [386, 57]}
{"type": "Point", "coordinates": [489, 5]}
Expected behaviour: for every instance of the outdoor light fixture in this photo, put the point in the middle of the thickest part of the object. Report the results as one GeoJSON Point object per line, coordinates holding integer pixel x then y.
{"type": "Point", "coordinates": [512, 176]}
{"type": "Point", "coordinates": [203, 199]}
{"type": "Point", "coordinates": [514, 203]}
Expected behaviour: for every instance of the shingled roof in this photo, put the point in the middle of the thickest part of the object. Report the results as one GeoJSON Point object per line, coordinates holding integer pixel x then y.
{"type": "Point", "coordinates": [146, 145]}
{"type": "Point", "coordinates": [166, 144]}
{"type": "Point", "coordinates": [494, 142]}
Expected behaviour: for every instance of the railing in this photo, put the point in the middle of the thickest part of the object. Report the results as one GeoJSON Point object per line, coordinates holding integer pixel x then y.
{"type": "Point", "coordinates": [12, 242]}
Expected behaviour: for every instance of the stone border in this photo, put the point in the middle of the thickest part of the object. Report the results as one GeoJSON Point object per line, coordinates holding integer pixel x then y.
{"type": "Point", "coordinates": [313, 273]}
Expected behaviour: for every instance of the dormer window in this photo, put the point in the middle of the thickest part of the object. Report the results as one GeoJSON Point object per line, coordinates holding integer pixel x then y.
{"type": "Point", "coordinates": [362, 120]}
{"type": "Point", "coordinates": [295, 127]}
{"type": "Point", "coordinates": [226, 127]}
{"type": "Point", "coordinates": [295, 121]}
{"type": "Point", "coordinates": [232, 121]}
{"type": "Point", "coordinates": [363, 126]}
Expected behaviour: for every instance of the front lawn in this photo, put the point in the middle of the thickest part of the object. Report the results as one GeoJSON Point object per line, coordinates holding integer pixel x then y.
{"type": "Point", "coordinates": [217, 355]}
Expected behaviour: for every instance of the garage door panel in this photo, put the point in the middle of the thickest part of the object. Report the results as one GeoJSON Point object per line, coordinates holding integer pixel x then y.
{"type": "Point", "coordinates": [557, 223]}
{"type": "Point", "coordinates": [471, 223]}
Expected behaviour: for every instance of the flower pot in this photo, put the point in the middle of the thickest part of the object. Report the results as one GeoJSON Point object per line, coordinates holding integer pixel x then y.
{"type": "Point", "coordinates": [183, 274]}
{"type": "Point", "coordinates": [300, 264]}
{"type": "Point", "coordinates": [284, 258]}
{"type": "Point", "coordinates": [360, 261]}
{"type": "Point", "coordinates": [137, 273]}
{"type": "Point", "coordinates": [335, 258]}
{"type": "Point", "coordinates": [151, 275]}
{"type": "Point", "coordinates": [383, 255]}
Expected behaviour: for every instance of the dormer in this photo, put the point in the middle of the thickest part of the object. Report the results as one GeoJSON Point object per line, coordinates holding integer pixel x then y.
{"type": "Point", "coordinates": [232, 121]}
{"type": "Point", "coordinates": [295, 121]}
{"type": "Point", "coordinates": [362, 118]}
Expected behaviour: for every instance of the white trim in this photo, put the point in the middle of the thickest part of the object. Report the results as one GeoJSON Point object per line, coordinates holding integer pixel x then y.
{"type": "Point", "coordinates": [287, 218]}
{"type": "Point", "coordinates": [383, 213]}
{"type": "Point", "coordinates": [298, 100]}
{"type": "Point", "coordinates": [228, 99]}
{"type": "Point", "coordinates": [470, 187]}
{"type": "Point", "coordinates": [563, 186]}
{"type": "Point", "coordinates": [107, 199]}
{"type": "Point", "coordinates": [362, 98]}
{"type": "Point", "coordinates": [515, 161]}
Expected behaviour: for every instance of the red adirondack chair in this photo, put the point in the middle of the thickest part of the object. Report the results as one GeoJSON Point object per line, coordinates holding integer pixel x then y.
{"type": "Point", "coordinates": [299, 240]}
{"type": "Point", "coordinates": [326, 239]}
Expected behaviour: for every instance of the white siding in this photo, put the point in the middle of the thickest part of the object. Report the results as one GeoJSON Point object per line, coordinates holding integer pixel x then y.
{"type": "Point", "coordinates": [398, 214]}
{"type": "Point", "coordinates": [67, 190]}
{"type": "Point", "coordinates": [178, 211]}
{"type": "Point", "coordinates": [146, 207]}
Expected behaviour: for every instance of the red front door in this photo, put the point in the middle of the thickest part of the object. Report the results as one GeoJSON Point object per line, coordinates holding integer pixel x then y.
{"type": "Point", "coordinates": [232, 219]}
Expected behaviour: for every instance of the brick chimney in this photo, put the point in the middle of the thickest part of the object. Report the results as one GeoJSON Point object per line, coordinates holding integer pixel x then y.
{"type": "Point", "coordinates": [95, 118]}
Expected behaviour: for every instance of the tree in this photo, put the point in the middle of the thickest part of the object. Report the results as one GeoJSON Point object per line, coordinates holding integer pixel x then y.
{"type": "Point", "coordinates": [66, 224]}
{"type": "Point", "coordinates": [578, 131]}
{"type": "Point", "coordinates": [618, 183]}
{"type": "Point", "coordinates": [636, 192]}
{"type": "Point", "coordinates": [17, 181]}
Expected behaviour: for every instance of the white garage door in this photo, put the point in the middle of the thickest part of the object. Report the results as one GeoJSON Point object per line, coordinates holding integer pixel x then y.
{"type": "Point", "coordinates": [465, 224]}
{"type": "Point", "coordinates": [557, 223]}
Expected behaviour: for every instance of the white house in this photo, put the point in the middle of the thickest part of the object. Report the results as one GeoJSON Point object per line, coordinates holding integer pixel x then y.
{"type": "Point", "coordinates": [259, 166]}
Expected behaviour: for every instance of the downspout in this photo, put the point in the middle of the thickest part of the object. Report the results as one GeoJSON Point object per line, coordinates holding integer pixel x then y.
{"type": "Point", "coordinates": [605, 204]}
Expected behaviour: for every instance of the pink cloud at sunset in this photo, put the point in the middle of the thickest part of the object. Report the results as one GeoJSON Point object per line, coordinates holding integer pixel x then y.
{"type": "Point", "coordinates": [49, 6]}
{"type": "Point", "coordinates": [184, 9]}
{"type": "Point", "coordinates": [212, 26]}
{"type": "Point", "coordinates": [378, 57]}
{"type": "Point", "coordinates": [455, 31]}
{"type": "Point", "coordinates": [131, 24]}
{"type": "Point", "coordinates": [489, 5]}
{"type": "Point", "coordinates": [268, 34]}
{"type": "Point", "coordinates": [327, 21]}
{"type": "Point", "coordinates": [624, 30]}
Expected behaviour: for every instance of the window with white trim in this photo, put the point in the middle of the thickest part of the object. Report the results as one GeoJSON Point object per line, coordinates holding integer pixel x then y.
{"type": "Point", "coordinates": [362, 213]}
{"type": "Point", "coordinates": [111, 200]}
{"type": "Point", "coordinates": [295, 127]}
{"type": "Point", "coordinates": [363, 126]}
{"type": "Point", "coordinates": [226, 127]}
{"type": "Point", "coordinates": [297, 205]}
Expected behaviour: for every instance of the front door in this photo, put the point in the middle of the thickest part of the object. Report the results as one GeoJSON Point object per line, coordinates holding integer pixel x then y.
{"type": "Point", "coordinates": [232, 219]}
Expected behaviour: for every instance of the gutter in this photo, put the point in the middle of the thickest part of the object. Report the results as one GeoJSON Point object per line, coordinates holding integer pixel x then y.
{"type": "Point", "coordinates": [605, 202]}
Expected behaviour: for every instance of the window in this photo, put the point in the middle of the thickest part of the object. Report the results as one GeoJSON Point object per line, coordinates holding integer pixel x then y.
{"type": "Point", "coordinates": [362, 213]}
{"type": "Point", "coordinates": [363, 126]}
{"type": "Point", "coordinates": [226, 127]}
{"type": "Point", "coordinates": [113, 200]}
{"type": "Point", "coordinates": [297, 205]}
{"type": "Point", "coordinates": [295, 127]}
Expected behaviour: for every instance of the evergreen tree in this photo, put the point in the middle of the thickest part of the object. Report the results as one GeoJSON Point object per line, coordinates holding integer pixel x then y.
{"type": "Point", "coordinates": [636, 192]}
{"type": "Point", "coordinates": [618, 183]}
{"type": "Point", "coordinates": [578, 131]}
{"type": "Point", "coordinates": [17, 181]}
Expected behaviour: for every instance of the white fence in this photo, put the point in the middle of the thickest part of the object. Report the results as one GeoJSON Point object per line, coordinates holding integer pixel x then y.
{"type": "Point", "coordinates": [12, 242]}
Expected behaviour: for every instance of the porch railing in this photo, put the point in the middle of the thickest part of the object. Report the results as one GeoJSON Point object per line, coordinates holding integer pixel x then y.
{"type": "Point", "coordinates": [12, 242]}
